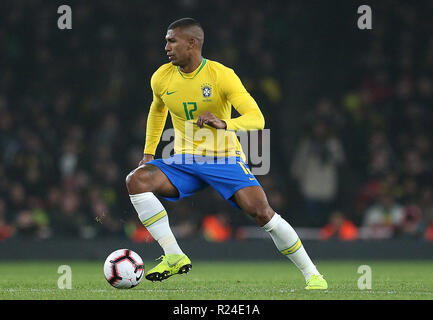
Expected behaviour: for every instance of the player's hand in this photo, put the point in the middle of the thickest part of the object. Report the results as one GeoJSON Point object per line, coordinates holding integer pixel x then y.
{"type": "Point", "coordinates": [211, 120]}
{"type": "Point", "coordinates": [146, 158]}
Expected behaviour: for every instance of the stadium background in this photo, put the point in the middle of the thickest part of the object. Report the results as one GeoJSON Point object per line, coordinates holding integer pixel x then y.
{"type": "Point", "coordinates": [344, 105]}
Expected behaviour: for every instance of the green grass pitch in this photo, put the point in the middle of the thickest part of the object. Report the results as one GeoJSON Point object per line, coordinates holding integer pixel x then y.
{"type": "Point", "coordinates": [252, 280]}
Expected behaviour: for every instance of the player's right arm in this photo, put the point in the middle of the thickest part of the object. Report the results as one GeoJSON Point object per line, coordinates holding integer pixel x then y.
{"type": "Point", "coordinates": [155, 121]}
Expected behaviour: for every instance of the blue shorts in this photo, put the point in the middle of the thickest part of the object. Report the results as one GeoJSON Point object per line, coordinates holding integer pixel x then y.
{"type": "Point", "coordinates": [189, 174]}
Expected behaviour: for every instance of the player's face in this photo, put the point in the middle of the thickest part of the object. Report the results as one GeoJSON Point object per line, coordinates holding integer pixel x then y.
{"type": "Point", "coordinates": [177, 47]}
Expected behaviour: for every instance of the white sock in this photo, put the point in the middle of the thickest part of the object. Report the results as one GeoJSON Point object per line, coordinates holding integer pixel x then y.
{"type": "Point", "coordinates": [287, 241]}
{"type": "Point", "coordinates": [154, 217]}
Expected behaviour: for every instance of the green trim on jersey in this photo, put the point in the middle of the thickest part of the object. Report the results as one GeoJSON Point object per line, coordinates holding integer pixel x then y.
{"type": "Point", "coordinates": [199, 69]}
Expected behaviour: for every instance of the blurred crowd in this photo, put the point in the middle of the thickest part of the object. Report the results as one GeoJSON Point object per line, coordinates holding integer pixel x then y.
{"type": "Point", "coordinates": [364, 164]}
{"type": "Point", "coordinates": [73, 109]}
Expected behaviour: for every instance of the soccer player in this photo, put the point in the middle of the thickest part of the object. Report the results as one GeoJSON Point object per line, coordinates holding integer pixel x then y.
{"type": "Point", "coordinates": [199, 94]}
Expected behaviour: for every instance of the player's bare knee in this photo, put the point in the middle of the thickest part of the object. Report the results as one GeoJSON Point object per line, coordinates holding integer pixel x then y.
{"type": "Point", "coordinates": [260, 211]}
{"type": "Point", "coordinates": [138, 181]}
{"type": "Point", "coordinates": [264, 211]}
{"type": "Point", "coordinates": [263, 214]}
{"type": "Point", "coordinates": [266, 214]}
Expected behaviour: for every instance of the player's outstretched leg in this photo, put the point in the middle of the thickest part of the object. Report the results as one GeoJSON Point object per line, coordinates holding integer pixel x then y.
{"type": "Point", "coordinates": [141, 183]}
{"type": "Point", "coordinates": [253, 201]}
{"type": "Point", "coordinates": [288, 243]}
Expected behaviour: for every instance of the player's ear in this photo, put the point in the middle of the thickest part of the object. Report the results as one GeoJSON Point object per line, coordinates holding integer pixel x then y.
{"type": "Point", "coordinates": [192, 42]}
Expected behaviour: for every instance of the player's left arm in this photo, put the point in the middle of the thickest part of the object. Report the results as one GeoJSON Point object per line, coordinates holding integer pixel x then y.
{"type": "Point", "coordinates": [251, 118]}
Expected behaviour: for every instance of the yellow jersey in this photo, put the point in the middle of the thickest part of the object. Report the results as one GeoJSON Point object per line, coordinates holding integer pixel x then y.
{"type": "Point", "coordinates": [211, 87]}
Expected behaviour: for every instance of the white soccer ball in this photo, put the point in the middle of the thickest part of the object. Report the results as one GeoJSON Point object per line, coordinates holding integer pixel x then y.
{"type": "Point", "coordinates": [123, 269]}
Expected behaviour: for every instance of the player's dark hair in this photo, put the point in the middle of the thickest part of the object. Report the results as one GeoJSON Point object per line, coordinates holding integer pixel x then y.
{"type": "Point", "coordinates": [184, 22]}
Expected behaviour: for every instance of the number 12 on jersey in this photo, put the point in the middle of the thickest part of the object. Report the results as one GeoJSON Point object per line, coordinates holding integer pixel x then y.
{"type": "Point", "coordinates": [189, 110]}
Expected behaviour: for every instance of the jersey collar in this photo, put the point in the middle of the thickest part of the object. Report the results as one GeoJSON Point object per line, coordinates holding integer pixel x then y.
{"type": "Point", "coordinates": [192, 75]}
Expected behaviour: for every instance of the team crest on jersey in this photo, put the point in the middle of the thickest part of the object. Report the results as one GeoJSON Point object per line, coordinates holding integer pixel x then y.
{"type": "Point", "coordinates": [206, 89]}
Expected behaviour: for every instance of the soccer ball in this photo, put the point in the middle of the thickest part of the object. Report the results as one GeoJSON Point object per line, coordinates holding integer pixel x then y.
{"type": "Point", "coordinates": [123, 269]}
